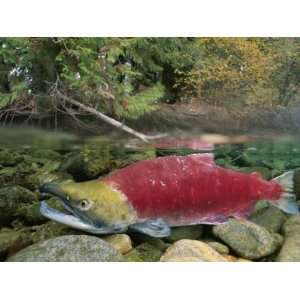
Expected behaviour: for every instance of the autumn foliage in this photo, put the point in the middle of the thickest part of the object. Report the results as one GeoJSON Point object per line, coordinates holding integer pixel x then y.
{"type": "Point", "coordinates": [127, 77]}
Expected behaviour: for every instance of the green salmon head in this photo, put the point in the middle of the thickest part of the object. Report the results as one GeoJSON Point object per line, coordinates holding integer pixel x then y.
{"type": "Point", "coordinates": [94, 206]}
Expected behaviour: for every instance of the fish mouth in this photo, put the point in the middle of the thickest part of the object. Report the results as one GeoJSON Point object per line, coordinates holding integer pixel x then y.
{"type": "Point", "coordinates": [71, 217]}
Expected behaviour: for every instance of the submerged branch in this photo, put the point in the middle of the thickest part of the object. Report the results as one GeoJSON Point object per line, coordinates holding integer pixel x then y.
{"type": "Point", "coordinates": [107, 119]}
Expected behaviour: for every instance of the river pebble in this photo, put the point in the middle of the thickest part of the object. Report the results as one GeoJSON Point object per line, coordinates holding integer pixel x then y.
{"type": "Point", "coordinates": [193, 232]}
{"type": "Point", "coordinates": [191, 250]}
{"type": "Point", "coordinates": [69, 248]}
{"type": "Point", "coordinates": [290, 251]}
{"type": "Point", "coordinates": [269, 217]}
{"type": "Point", "coordinates": [219, 247]}
{"type": "Point", "coordinates": [120, 242]}
{"type": "Point", "coordinates": [246, 238]}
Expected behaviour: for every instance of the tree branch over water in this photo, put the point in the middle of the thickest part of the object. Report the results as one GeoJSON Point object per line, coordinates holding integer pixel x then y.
{"type": "Point", "coordinates": [107, 119]}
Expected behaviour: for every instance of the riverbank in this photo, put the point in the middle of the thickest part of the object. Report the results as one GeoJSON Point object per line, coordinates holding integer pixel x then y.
{"type": "Point", "coordinates": [184, 118]}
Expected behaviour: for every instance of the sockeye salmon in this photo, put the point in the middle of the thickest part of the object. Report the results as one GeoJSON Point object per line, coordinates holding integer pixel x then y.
{"type": "Point", "coordinates": [153, 195]}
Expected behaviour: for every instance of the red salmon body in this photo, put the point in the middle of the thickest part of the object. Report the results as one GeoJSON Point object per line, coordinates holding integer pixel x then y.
{"type": "Point", "coordinates": [186, 190]}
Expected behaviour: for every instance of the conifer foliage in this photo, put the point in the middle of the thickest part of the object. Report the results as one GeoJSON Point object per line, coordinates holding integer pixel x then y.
{"type": "Point", "coordinates": [127, 77]}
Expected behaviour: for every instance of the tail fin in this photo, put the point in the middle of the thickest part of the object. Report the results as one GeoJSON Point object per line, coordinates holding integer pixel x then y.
{"type": "Point", "coordinates": [287, 203]}
{"type": "Point", "coordinates": [287, 181]}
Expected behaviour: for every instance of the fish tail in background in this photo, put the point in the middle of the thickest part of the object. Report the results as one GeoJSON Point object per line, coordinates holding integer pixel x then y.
{"type": "Point", "coordinates": [287, 181]}
{"type": "Point", "coordinates": [287, 202]}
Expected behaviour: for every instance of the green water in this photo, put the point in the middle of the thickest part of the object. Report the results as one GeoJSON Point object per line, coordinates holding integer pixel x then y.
{"type": "Point", "coordinates": [31, 157]}
{"type": "Point", "coordinates": [270, 156]}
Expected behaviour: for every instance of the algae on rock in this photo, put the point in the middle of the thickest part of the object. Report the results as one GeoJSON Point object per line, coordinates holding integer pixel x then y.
{"type": "Point", "coordinates": [90, 163]}
{"type": "Point", "coordinates": [144, 252]}
{"type": "Point", "coordinates": [269, 217]}
{"type": "Point", "coordinates": [12, 198]}
{"type": "Point", "coordinates": [69, 248]}
{"type": "Point", "coordinates": [247, 239]}
{"type": "Point", "coordinates": [192, 232]}
{"type": "Point", "coordinates": [290, 251]}
{"type": "Point", "coordinates": [13, 240]}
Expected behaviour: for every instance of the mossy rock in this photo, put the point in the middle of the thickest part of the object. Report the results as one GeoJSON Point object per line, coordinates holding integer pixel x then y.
{"type": "Point", "coordinates": [20, 204]}
{"type": "Point", "coordinates": [47, 154]}
{"type": "Point", "coordinates": [69, 248]}
{"type": "Point", "coordinates": [13, 240]}
{"type": "Point", "coordinates": [269, 217]}
{"type": "Point", "coordinates": [27, 168]}
{"type": "Point", "coordinates": [133, 256]}
{"type": "Point", "coordinates": [219, 247]}
{"type": "Point", "coordinates": [167, 152]}
{"type": "Point", "coordinates": [10, 158]}
{"type": "Point", "coordinates": [192, 232]}
{"type": "Point", "coordinates": [264, 172]}
{"type": "Point", "coordinates": [246, 238]}
{"type": "Point", "coordinates": [87, 164]}
{"type": "Point", "coordinates": [144, 252]}
{"type": "Point", "coordinates": [120, 242]}
{"type": "Point", "coordinates": [126, 158]}
{"type": "Point", "coordinates": [30, 214]}
{"type": "Point", "coordinates": [13, 177]}
{"type": "Point", "coordinates": [140, 238]}
{"type": "Point", "coordinates": [49, 230]}
{"type": "Point", "coordinates": [290, 251]}
{"type": "Point", "coordinates": [297, 183]}
{"type": "Point", "coordinates": [90, 163]}
{"type": "Point", "coordinates": [24, 174]}
{"type": "Point", "coordinates": [191, 250]}
{"type": "Point", "coordinates": [11, 198]}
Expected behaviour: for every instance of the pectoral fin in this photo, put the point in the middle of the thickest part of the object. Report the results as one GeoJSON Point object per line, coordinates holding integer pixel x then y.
{"type": "Point", "coordinates": [153, 227]}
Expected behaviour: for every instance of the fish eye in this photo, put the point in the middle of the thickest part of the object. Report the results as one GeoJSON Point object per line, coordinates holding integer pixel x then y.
{"type": "Point", "coordinates": [84, 204]}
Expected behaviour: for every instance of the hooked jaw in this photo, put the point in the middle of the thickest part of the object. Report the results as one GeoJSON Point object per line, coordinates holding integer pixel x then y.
{"type": "Point", "coordinates": [74, 218]}
{"type": "Point", "coordinates": [55, 190]}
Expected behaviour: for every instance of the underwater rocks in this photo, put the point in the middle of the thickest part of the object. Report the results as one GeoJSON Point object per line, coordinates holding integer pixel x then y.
{"type": "Point", "coordinates": [92, 163]}
{"type": "Point", "coordinates": [144, 252]}
{"type": "Point", "coordinates": [290, 250]}
{"type": "Point", "coordinates": [191, 250]}
{"type": "Point", "coordinates": [87, 164]}
{"type": "Point", "coordinates": [120, 242]}
{"type": "Point", "coordinates": [20, 204]}
{"type": "Point", "coordinates": [10, 176]}
{"type": "Point", "coordinates": [219, 247]}
{"type": "Point", "coordinates": [139, 238]}
{"type": "Point", "coordinates": [46, 154]}
{"type": "Point", "coordinates": [17, 165]}
{"type": "Point", "coordinates": [297, 183]}
{"type": "Point", "coordinates": [264, 172]}
{"type": "Point", "coordinates": [29, 214]}
{"type": "Point", "coordinates": [230, 258]}
{"type": "Point", "coordinates": [193, 232]}
{"type": "Point", "coordinates": [243, 260]}
{"type": "Point", "coordinates": [10, 158]}
{"type": "Point", "coordinates": [247, 239]}
{"type": "Point", "coordinates": [30, 173]}
{"type": "Point", "coordinates": [269, 217]}
{"type": "Point", "coordinates": [69, 248]}
{"type": "Point", "coordinates": [13, 240]}
{"type": "Point", "coordinates": [11, 198]}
